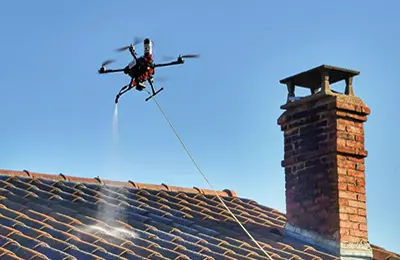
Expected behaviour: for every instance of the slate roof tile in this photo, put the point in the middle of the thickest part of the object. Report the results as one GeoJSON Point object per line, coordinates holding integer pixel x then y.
{"type": "Point", "coordinates": [8, 255]}
{"type": "Point", "coordinates": [62, 217]}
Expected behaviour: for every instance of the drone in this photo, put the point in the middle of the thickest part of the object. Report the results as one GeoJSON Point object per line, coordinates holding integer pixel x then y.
{"type": "Point", "coordinates": [141, 69]}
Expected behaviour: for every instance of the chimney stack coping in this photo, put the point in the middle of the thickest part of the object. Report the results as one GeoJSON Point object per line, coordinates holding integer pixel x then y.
{"type": "Point", "coordinates": [320, 78]}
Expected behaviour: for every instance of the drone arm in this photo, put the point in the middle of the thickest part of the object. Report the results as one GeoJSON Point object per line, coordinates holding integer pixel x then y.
{"type": "Point", "coordinates": [168, 64]}
{"type": "Point", "coordinates": [110, 71]}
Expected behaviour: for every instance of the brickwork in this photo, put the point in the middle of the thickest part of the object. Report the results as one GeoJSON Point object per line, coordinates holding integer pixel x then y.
{"type": "Point", "coordinates": [324, 166]}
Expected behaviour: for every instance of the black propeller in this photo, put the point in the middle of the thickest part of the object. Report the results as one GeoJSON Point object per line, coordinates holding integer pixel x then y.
{"type": "Point", "coordinates": [136, 41]}
{"type": "Point", "coordinates": [190, 56]}
{"type": "Point", "coordinates": [107, 62]}
{"type": "Point", "coordinates": [161, 78]}
{"type": "Point", "coordinates": [165, 58]}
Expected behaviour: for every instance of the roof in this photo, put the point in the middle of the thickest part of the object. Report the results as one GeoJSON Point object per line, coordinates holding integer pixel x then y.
{"type": "Point", "coordinates": [61, 217]}
{"type": "Point", "coordinates": [312, 78]}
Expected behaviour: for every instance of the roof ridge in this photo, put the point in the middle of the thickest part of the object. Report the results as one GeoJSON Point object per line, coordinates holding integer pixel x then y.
{"type": "Point", "coordinates": [132, 184]}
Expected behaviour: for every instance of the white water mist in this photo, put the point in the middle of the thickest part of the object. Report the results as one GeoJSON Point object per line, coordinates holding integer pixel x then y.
{"type": "Point", "coordinates": [115, 125]}
{"type": "Point", "coordinates": [115, 232]}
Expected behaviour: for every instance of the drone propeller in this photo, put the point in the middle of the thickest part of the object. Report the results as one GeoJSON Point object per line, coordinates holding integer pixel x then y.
{"type": "Point", "coordinates": [136, 41]}
{"type": "Point", "coordinates": [165, 58]}
{"type": "Point", "coordinates": [161, 78]}
{"type": "Point", "coordinates": [190, 56]}
{"type": "Point", "coordinates": [107, 62]}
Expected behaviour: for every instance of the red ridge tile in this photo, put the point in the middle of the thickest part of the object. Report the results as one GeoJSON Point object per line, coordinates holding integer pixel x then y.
{"type": "Point", "coordinates": [14, 173]}
{"type": "Point", "coordinates": [61, 177]}
{"type": "Point", "coordinates": [380, 253]}
{"type": "Point", "coordinates": [34, 175]}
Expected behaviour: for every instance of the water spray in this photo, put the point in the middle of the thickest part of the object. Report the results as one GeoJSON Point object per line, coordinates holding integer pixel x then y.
{"type": "Point", "coordinates": [115, 124]}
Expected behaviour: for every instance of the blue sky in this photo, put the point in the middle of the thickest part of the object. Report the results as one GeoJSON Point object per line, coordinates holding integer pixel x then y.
{"type": "Point", "coordinates": [57, 112]}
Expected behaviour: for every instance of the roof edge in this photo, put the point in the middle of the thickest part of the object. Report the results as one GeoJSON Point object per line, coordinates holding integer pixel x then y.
{"type": "Point", "coordinates": [383, 253]}
{"type": "Point", "coordinates": [129, 183]}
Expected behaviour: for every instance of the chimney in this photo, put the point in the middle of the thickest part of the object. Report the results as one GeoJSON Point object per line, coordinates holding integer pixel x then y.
{"type": "Point", "coordinates": [324, 161]}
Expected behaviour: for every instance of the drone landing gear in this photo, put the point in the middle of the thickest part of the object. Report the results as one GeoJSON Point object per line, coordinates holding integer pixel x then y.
{"type": "Point", "coordinates": [154, 92]}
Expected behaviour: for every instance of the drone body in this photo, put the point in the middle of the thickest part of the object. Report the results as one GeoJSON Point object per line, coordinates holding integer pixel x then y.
{"type": "Point", "coordinates": [141, 69]}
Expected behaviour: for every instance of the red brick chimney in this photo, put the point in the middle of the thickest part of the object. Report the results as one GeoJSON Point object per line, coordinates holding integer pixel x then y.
{"type": "Point", "coordinates": [324, 163]}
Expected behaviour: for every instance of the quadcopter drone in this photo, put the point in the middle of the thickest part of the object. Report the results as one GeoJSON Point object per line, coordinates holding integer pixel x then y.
{"type": "Point", "coordinates": [141, 69]}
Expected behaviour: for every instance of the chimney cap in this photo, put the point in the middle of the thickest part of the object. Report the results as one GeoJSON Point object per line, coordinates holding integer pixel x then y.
{"type": "Point", "coordinates": [312, 78]}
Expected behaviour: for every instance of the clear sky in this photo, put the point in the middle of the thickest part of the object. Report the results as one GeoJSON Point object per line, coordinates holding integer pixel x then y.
{"type": "Point", "coordinates": [56, 111]}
